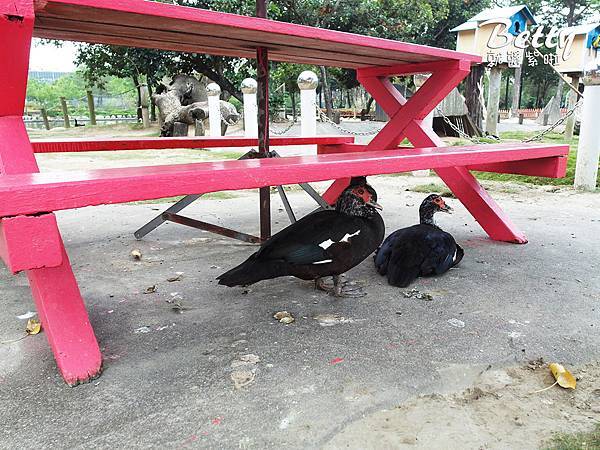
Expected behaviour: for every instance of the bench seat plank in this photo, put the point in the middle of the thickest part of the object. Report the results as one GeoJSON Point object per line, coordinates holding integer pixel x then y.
{"type": "Point", "coordinates": [43, 192]}
{"type": "Point", "coordinates": [113, 144]}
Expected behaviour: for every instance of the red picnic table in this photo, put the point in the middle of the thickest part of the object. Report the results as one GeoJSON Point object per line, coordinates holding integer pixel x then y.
{"type": "Point", "coordinates": [29, 237]}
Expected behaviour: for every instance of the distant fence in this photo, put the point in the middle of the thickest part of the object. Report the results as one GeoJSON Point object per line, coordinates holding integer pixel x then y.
{"type": "Point", "coordinates": [528, 113]}
{"type": "Point", "coordinates": [36, 122]}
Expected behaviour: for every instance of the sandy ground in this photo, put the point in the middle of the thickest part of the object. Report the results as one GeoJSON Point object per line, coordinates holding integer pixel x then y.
{"type": "Point", "coordinates": [383, 371]}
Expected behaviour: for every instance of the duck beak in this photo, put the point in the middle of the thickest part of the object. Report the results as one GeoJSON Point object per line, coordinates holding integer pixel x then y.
{"type": "Point", "coordinates": [375, 205]}
{"type": "Point", "coordinates": [447, 209]}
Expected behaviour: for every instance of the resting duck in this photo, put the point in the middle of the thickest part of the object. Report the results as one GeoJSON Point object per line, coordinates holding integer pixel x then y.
{"type": "Point", "coordinates": [420, 250]}
{"type": "Point", "coordinates": [325, 243]}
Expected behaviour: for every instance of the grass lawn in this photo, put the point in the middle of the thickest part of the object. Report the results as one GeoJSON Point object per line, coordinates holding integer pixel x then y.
{"type": "Point", "coordinates": [576, 441]}
{"type": "Point", "coordinates": [551, 138]}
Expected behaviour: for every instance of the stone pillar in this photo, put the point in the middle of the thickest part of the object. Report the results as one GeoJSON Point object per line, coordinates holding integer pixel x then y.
{"type": "Point", "coordinates": [248, 88]}
{"type": "Point", "coordinates": [588, 152]}
{"type": "Point", "coordinates": [308, 82]}
{"type": "Point", "coordinates": [214, 109]}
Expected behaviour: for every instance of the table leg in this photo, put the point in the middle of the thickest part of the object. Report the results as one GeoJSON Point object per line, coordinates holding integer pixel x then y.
{"type": "Point", "coordinates": [55, 291]}
{"type": "Point", "coordinates": [405, 121]}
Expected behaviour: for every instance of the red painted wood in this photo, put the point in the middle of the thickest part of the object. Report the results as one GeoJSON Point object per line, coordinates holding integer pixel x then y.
{"type": "Point", "coordinates": [16, 25]}
{"type": "Point", "coordinates": [435, 89]}
{"type": "Point", "coordinates": [326, 46]}
{"type": "Point", "coordinates": [473, 196]}
{"type": "Point", "coordinates": [85, 145]}
{"type": "Point", "coordinates": [551, 167]}
{"type": "Point", "coordinates": [30, 193]}
{"type": "Point", "coordinates": [555, 167]}
{"type": "Point", "coordinates": [54, 289]}
{"type": "Point", "coordinates": [405, 122]}
{"type": "Point", "coordinates": [65, 322]}
{"type": "Point", "coordinates": [30, 242]}
{"type": "Point", "coordinates": [404, 69]}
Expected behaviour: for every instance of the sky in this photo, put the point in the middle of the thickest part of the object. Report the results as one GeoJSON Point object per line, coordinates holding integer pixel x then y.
{"type": "Point", "coordinates": [50, 58]}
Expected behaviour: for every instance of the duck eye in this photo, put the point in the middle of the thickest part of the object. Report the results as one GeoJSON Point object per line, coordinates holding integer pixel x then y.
{"type": "Point", "coordinates": [361, 192]}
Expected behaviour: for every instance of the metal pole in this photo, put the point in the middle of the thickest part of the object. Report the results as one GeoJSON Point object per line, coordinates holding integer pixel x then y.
{"type": "Point", "coordinates": [262, 63]}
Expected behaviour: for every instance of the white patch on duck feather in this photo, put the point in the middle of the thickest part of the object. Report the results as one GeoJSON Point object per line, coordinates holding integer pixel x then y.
{"type": "Point", "coordinates": [348, 236]}
{"type": "Point", "coordinates": [328, 243]}
{"type": "Point", "coordinates": [325, 261]}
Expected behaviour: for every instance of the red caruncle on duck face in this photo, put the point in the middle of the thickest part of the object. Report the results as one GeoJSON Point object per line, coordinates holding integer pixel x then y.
{"type": "Point", "coordinates": [362, 193]}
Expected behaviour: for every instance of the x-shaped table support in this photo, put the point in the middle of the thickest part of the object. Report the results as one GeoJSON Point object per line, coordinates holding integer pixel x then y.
{"type": "Point", "coordinates": [406, 121]}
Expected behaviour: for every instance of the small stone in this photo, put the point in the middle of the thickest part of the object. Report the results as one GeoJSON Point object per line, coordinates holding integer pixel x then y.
{"type": "Point", "coordinates": [136, 254]}
{"type": "Point", "coordinates": [456, 323]}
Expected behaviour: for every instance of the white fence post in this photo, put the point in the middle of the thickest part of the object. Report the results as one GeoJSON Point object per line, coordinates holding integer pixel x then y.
{"type": "Point", "coordinates": [249, 87]}
{"type": "Point", "coordinates": [214, 109]}
{"type": "Point", "coordinates": [308, 82]}
{"type": "Point", "coordinates": [588, 152]}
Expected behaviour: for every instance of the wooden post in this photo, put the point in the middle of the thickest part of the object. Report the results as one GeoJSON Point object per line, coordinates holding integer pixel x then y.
{"type": "Point", "coordinates": [521, 117]}
{"type": "Point", "coordinates": [65, 111]}
{"type": "Point", "coordinates": [262, 66]}
{"type": "Point", "coordinates": [145, 97]}
{"type": "Point", "coordinates": [491, 120]}
{"type": "Point", "coordinates": [546, 117]}
{"type": "Point", "coordinates": [573, 97]}
{"type": "Point", "coordinates": [45, 118]}
{"type": "Point", "coordinates": [91, 107]}
{"type": "Point", "coordinates": [516, 97]}
{"type": "Point", "coordinates": [588, 152]}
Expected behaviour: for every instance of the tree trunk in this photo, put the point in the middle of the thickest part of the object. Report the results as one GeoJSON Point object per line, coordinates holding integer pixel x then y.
{"type": "Point", "coordinates": [367, 109]}
{"type": "Point", "coordinates": [552, 109]}
{"type": "Point", "coordinates": [516, 98]}
{"type": "Point", "coordinates": [152, 104]}
{"type": "Point", "coordinates": [218, 78]}
{"type": "Point", "coordinates": [326, 92]}
{"type": "Point", "coordinates": [138, 88]}
{"type": "Point", "coordinates": [293, 99]}
{"type": "Point", "coordinates": [473, 92]}
{"type": "Point", "coordinates": [506, 86]}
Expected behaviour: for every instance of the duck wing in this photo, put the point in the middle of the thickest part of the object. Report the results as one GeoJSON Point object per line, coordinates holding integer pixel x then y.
{"type": "Point", "coordinates": [442, 253]}
{"type": "Point", "coordinates": [313, 239]}
{"type": "Point", "coordinates": [384, 253]}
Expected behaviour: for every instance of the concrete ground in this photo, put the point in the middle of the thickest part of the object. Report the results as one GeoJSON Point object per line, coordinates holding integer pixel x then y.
{"type": "Point", "coordinates": [328, 379]}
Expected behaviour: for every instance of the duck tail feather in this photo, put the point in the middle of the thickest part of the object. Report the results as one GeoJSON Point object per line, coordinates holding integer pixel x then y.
{"type": "Point", "coordinates": [249, 272]}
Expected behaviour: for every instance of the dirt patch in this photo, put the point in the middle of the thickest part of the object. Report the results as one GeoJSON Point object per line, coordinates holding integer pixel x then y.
{"type": "Point", "coordinates": [499, 411]}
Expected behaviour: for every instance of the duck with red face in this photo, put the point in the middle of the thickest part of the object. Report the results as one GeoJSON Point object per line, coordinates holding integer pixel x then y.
{"type": "Point", "coordinates": [420, 250]}
{"type": "Point", "coordinates": [325, 243]}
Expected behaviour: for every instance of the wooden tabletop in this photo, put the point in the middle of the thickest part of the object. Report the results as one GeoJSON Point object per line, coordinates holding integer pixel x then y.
{"type": "Point", "coordinates": [147, 24]}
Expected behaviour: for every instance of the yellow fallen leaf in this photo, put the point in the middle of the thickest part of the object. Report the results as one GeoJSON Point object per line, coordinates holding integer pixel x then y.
{"type": "Point", "coordinates": [563, 377]}
{"type": "Point", "coordinates": [33, 327]}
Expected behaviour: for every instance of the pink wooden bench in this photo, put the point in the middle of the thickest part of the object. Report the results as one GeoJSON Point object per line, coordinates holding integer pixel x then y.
{"type": "Point", "coordinates": [29, 237]}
